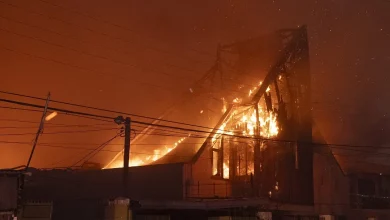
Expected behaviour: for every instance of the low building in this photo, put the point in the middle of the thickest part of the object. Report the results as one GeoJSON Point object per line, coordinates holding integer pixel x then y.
{"type": "Point", "coordinates": [10, 185]}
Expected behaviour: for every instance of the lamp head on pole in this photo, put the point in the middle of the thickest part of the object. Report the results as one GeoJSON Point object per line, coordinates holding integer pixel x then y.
{"type": "Point", "coordinates": [119, 120]}
{"type": "Point", "coordinates": [51, 116]}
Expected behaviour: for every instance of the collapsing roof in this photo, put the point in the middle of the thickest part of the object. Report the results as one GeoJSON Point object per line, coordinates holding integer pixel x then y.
{"type": "Point", "coordinates": [245, 73]}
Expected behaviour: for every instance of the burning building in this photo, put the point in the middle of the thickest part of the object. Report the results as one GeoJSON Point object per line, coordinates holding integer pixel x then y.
{"type": "Point", "coordinates": [258, 112]}
{"type": "Point", "coordinates": [253, 139]}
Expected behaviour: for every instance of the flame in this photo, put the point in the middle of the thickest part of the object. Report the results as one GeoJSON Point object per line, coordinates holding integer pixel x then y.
{"type": "Point", "coordinates": [267, 122]}
{"type": "Point", "coordinates": [136, 162]}
{"type": "Point", "coordinates": [219, 132]}
{"type": "Point", "coordinates": [224, 108]}
{"type": "Point", "coordinates": [237, 100]}
{"type": "Point", "coordinates": [147, 159]}
{"type": "Point", "coordinates": [225, 171]}
{"type": "Point", "coordinates": [251, 91]}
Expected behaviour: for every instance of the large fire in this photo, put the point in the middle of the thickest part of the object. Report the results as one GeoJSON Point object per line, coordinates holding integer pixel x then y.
{"type": "Point", "coordinates": [243, 121]}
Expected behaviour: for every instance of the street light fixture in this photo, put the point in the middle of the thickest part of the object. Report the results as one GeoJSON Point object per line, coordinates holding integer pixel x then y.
{"type": "Point", "coordinates": [119, 120]}
{"type": "Point", "coordinates": [51, 116]}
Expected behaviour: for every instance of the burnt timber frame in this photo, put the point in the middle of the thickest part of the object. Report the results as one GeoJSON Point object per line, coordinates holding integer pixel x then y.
{"type": "Point", "coordinates": [294, 64]}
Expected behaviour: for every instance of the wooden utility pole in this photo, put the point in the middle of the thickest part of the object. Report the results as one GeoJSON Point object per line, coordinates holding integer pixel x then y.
{"type": "Point", "coordinates": [40, 129]}
{"type": "Point", "coordinates": [126, 156]}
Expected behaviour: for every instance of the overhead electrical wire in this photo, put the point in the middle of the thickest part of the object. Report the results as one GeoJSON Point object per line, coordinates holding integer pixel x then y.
{"type": "Point", "coordinates": [82, 41]}
{"type": "Point", "coordinates": [87, 28]}
{"type": "Point", "coordinates": [61, 132]}
{"type": "Point", "coordinates": [114, 24]}
{"type": "Point", "coordinates": [95, 151]}
{"type": "Point", "coordinates": [87, 53]}
{"type": "Point", "coordinates": [185, 129]}
{"type": "Point", "coordinates": [56, 146]}
{"type": "Point", "coordinates": [100, 109]}
{"type": "Point", "coordinates": [101, 73]}
{"type": "Point", "coordinates": [51, 126]}
{"type": "Point", "coordinates": [148, 69]}
{"type": "Point", "coordinates": [104, 57]}
{"type": "Point", "coordinates": [105, 110]}
{"type": "Point", "coordinates": [95, 72]}
{"type": "Point", "coordinates": [204, 137]}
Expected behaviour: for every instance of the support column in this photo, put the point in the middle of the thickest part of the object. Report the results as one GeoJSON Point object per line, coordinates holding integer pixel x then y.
{"type": "Point", "coordinates": [257, 155]}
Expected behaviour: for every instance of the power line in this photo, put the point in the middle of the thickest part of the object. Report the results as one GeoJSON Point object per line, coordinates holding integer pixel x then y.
{"type": "Point", "coordinates": [60, 132]}
{"type": "Point", "coordinates": [51, 124]}
{"type": "Point", "coordinates": [107, 58]}
{"type": "Point", "coordinates": [22, 109]}
{"type": "Point", "coordinates": [99, 73]}
{"type": "Point", "coordinates": [85, 28]}
{"type": "Point", "coordinates": [113, 24]}
{"type": "Point", "coordinates": [105, 110]}
{"type": "Point", "coordinates": [93, 55]}
{"type": "Point", "coordinates": [96, 150]}
{"type": "Point", "coordinates": [191, 130]}
{"type": "Point", "coordinates": [82, 41]}
{"type": "Point", "coordinates": [94, 126]}
{"type": "Point", "coordinates": [56, 146]}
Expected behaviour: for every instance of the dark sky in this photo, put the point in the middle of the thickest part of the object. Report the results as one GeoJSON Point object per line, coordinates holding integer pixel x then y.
{"type": "Point", "coordinates": [139, 56]}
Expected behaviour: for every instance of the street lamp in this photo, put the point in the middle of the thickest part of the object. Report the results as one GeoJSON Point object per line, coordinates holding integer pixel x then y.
{"type": "Point", "coordinates": [119, 120]}
{"type": "Point", "coordinates": [51, 116]}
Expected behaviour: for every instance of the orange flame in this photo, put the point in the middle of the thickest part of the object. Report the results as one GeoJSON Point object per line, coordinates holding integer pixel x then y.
{"type": "Point", "coordinates": [147, 159]}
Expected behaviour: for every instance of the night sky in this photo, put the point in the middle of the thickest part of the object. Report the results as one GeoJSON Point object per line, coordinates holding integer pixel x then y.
{"type": "Point", "coordinates": [139, 56]}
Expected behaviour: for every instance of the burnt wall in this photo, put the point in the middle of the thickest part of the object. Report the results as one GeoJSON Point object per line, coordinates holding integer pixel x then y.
{"type": "Point", "coordinates": [287, 161]}
{"type": "Point", "coordinates": [199, 179]}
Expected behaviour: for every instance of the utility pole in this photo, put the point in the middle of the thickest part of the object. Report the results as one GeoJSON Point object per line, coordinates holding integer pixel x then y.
{"type": "Point", "coordinates": [126, 151]}
{"type": "Point", "coordinates": [126, 156]}
{"type": "Point", "coordinates": [40, 129]}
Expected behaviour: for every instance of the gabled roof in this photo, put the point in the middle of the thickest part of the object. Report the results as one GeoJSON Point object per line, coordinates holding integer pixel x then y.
{"type": "Point", "coordinates": [191, 152]}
